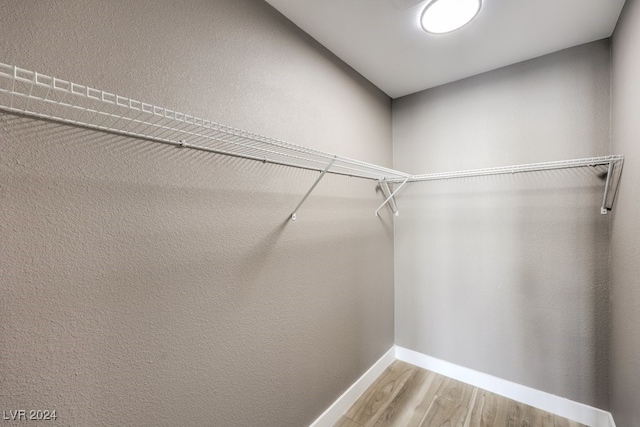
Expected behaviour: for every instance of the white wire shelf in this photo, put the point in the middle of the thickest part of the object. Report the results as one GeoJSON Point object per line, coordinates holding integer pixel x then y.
{"type": "Point", "coordinates": [37, 95]}
{"type": "Point", "coordinates": [40, 96]}
{"type": "Point", "coordinates": [614, 164]}
{"type": "Point", "coordinates": [531, 167]}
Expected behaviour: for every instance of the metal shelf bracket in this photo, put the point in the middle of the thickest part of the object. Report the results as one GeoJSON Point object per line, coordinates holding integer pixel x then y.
{"type": "Point", "coordinates": [322, 174]}
{"type": "Point", "coordinates": [387, 193]}
{"type": "Point", "coordinates": [614, 171]}
{"type": "Point", "coordinates": [390, 197]}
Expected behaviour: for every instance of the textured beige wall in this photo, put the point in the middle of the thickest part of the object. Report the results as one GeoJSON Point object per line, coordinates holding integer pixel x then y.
{"type": "Point", "coordinates": [508, 274]}
{"type": "Point", "coordinates": [625, 235]}
{"type": "Point", "coordinates": [147, 285]}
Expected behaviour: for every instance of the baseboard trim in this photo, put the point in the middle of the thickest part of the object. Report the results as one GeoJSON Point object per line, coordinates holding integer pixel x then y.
{"type": "Point", "coordinates": [557, 405]}
{"type": "Point", "coordinates": [349, 397]}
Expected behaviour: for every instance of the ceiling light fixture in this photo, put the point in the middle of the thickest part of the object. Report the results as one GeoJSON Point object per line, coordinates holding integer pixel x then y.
{"type": "Point", "coordinates": [444, 16]}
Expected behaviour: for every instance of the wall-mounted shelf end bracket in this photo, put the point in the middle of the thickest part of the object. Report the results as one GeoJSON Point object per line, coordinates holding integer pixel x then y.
{"type": "Point", "coordinates": [611, 185]}
{"type": "Point", "coordinates": [386, 191]}
{"type": "Point", "coordinates": [389, 195]}
{"type": "Point", "coordinates": [322, 174]}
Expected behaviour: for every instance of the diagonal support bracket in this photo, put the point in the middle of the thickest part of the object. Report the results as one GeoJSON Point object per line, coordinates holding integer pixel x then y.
{"type": "Point", "coordinates": [611, 185]}
{"type": "Point", "coordinates": [384, 185]}
{"type": "Point", "coordinates": [604, 210]}
{"type": "Point", "coordinates": [390, 197]}
{"type": "Point", "coordinates": [322, 174]}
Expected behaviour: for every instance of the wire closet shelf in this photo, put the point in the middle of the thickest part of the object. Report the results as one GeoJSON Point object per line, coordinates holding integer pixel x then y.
{"type": "Point", "coordinates": [37, 95]}
{"type": "Point", "coordinates": [40, 96]}
{"type": "Point", "coordinates": [530, 167]}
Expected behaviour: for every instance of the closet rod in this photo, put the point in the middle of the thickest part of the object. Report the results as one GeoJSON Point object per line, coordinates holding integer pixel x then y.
{"type": "Point", "coordinates": [40, 96]}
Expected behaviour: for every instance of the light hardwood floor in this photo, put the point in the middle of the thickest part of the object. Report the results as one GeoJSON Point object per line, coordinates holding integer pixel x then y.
{"type": "Point", "coordinates": [406, 396]}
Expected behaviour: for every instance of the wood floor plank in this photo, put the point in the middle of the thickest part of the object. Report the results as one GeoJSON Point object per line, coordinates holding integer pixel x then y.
{"type": "Point", "coordinates": [411, 404]}
{"type": "Point", "coordinates": [445, 413]}
{"type": "Point", "coordinates": [408, 396]}
{"type": "Point", "coordinates": [563, 422]}
{"type": "Point", "coordinates": [346, 422]}
{"type": "Point", "coordinates": [456, 391]}
{"type": "Point", "coordinates": [521, 415]}
{"type": "Point", "coordinates": [470, 409]}
{"type": "Point", "coordinates": [489, 410]}
{"type": "Point", "coordinates": [547, 419]}
{"type": "Point", "coordinates": [369, 407]}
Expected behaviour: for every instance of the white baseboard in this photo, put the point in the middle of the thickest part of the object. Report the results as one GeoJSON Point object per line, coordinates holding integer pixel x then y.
{"type": "Point", "coordinates": [557, 405]}
{"type": "Point", "coordinates": [349, 397]}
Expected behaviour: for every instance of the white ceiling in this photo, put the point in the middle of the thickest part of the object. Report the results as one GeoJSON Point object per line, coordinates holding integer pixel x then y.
{"type": "Point", "coordinates": [383, 40]}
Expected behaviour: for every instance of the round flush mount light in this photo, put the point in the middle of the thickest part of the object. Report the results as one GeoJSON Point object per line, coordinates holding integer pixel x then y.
{"type": "Point", "coordinates": [444, 16]}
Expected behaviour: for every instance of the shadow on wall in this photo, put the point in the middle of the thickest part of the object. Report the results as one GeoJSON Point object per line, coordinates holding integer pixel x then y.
{"type": "Point", "coordinates": [561, 299]}
{"type": "Point", "coordinates": [176, 277]}
{"type": "Point", "coordinates": [508, 275]}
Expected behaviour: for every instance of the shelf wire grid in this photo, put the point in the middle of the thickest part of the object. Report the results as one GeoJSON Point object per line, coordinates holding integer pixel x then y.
{"type": "Point", "coordinates": [37, 95]}
{"type": "Point", "coordinates": [40, 96]}
{"type": "Point", "coordinates": [530, 167]}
